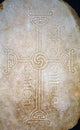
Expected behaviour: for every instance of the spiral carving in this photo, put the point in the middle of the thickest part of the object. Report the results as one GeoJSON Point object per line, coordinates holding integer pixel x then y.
{"type": "Point", "coordinates": [39, 61]}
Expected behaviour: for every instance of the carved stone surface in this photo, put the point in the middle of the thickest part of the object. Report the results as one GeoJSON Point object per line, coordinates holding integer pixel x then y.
{"type": "Point", "coordinates": [39, 65]}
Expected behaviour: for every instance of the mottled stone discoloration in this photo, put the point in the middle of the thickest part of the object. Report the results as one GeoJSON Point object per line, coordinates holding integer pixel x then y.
{"type": "Point", "coordinates": [39, 66]}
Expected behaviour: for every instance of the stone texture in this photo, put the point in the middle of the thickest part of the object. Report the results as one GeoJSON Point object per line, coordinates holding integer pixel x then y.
{"type": "Point", "coordinates": [39, 65]}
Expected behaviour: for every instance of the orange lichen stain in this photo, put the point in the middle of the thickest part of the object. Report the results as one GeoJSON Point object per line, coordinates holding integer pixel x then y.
{"type": "Point", "coordinates": [1, 6]}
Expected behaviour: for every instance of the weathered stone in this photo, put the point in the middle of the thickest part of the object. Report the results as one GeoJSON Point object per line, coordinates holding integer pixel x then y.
{"type": "Point", "coordinates": [39, 65]}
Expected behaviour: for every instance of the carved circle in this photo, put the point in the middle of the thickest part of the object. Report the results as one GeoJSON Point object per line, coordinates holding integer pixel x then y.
{"type": "Point", "coordinates": [39, 61]}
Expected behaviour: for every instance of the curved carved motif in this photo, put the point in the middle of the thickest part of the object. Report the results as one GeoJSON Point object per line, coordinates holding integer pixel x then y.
{"type": "Point", "coordinates": [39, 61]}
{"type": "Point", "coordinates": [39, 21]}
{"type": "Point", "coordinates": [38, 115]}
{"type": "Point", "coordinates": [11, 60]}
